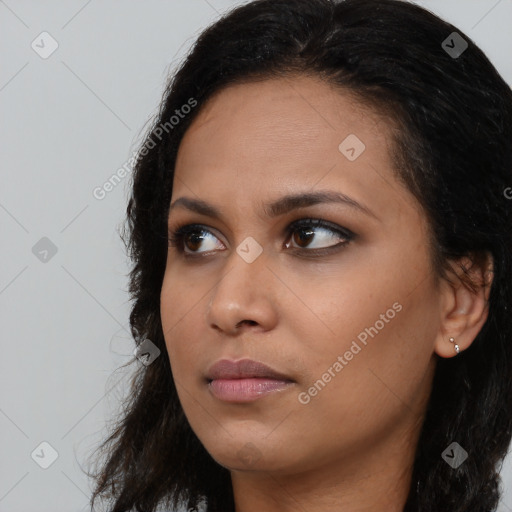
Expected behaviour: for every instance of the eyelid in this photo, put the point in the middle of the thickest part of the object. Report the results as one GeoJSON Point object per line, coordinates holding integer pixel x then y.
{"type": "Point", "coordinates": [186, 227]}
{"type": "Point", "coordinates": [310, 221]}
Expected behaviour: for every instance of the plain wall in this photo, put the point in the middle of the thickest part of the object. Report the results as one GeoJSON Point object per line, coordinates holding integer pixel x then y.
{"type": "Point", "coordinates": [68, 123]}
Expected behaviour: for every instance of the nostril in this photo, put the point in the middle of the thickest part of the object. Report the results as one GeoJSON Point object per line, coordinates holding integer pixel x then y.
{"type": "Point", "coordinates": [249, 322]}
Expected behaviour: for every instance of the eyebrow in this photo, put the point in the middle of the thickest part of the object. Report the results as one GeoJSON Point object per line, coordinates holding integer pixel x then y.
{"type": "Point", "coordinates": [279, 207]}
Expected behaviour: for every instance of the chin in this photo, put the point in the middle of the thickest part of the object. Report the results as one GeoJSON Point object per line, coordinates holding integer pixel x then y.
{"type": "Point", "coordinates": [247, 454]}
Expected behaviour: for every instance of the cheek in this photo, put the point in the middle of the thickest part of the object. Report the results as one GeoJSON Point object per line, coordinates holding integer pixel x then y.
{"type": "Point", "coordinates": [179, 309]}
{"type": "Point", "coordinates": [380, 322]}
{"type": "Point", "coordinates": [382, 386]}
{"type": "Point", "coordinates": [379, 359]}
{"type": "Point", "coordinates": [343, 309]}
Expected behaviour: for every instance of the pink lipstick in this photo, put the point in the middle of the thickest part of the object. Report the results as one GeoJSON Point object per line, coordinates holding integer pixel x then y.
{"type": "Point", "coordinates": [244, 380]}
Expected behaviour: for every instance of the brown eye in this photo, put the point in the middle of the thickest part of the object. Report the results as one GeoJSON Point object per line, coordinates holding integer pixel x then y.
{"type": "Point", "coordinates": [193, 240]}
{"type": "Point", "coordinates": [305, 236]}
{"type": "Point", "coordinates": [314, 232]}
{"type": "Point", "coordinates": [188, 239]}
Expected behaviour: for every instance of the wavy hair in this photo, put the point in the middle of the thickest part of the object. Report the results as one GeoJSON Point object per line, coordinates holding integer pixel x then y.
{"type": "Point", "coordinates": [452, 149]}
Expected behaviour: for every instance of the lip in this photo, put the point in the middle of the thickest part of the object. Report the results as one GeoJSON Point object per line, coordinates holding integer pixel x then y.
{"type": "Point", "coordinates": [244, 380]}
{"type": "Point", "coordinates": [243, 369]}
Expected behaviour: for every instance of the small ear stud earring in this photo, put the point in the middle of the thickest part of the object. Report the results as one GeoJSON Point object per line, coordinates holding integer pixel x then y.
{"type": "Point", "coordinates": [456, 347]}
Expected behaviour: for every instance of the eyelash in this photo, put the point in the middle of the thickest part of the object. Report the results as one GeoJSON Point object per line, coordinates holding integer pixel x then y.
{"type": "Point", "coordinates": [176, 236]}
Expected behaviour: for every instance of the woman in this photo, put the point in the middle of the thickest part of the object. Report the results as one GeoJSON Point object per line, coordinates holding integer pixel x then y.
{"type": "Point", "coordinates": [322, 238]}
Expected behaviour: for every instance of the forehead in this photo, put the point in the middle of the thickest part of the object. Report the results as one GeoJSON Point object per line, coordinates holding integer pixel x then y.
{"type": "Point", "coordinates": [285, 110]}
{"type": "Point", "coordinates": [280, 120]}
{"type": "Point", "coordinates": [281, 135]}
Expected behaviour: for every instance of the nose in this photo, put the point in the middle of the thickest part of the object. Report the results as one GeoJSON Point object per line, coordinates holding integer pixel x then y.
{"type": "Point", "coordinates": [244, 297]}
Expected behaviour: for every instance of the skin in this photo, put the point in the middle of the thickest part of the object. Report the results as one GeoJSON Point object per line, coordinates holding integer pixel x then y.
{"type": "Point", "coordinates": [351, 447]}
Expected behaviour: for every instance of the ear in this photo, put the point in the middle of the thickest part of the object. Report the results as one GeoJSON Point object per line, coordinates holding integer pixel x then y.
{"type": "Point", "coordinates": [464, 311]}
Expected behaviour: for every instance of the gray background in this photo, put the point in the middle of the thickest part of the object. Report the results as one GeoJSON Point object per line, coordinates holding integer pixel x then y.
{"type": "Point", "coordinates": [68, 122]}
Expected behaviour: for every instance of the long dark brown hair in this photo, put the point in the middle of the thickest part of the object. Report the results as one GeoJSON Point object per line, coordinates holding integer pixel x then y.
{"type": "Point", "coordinates": [454, 153]}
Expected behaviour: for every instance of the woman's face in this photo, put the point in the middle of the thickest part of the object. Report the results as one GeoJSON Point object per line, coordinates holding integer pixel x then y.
{"type": "Point", "coordinates": [347, 311]}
